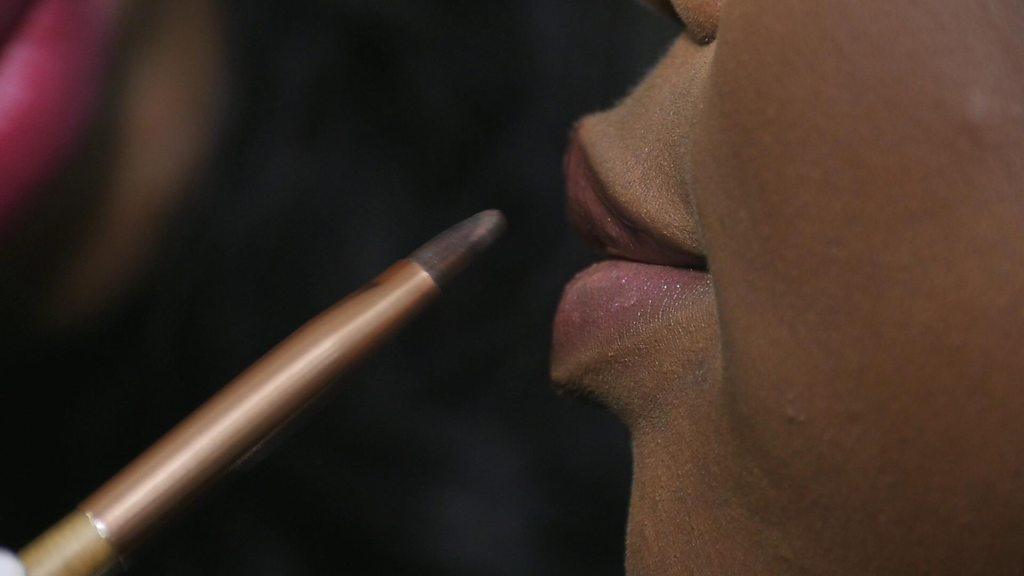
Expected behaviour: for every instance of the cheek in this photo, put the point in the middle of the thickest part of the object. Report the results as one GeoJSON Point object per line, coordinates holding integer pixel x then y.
{"type": "Point", "coordinates": [858, 217]}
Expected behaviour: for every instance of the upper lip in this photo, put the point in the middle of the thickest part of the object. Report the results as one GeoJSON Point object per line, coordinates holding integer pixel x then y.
{"type": "Point", "coordinates": [606, 225]}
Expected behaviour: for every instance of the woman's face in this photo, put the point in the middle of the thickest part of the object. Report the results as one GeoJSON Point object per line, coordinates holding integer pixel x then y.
{"type": "Point", "coordinates": [841, 388]}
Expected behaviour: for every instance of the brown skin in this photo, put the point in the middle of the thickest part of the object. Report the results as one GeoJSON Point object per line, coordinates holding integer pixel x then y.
{"type": "Point", "coordinates": [851, 399]}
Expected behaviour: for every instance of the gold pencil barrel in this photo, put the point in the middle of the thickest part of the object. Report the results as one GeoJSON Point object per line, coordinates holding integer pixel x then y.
{"type": "Point", "coordinates": [72, 547]}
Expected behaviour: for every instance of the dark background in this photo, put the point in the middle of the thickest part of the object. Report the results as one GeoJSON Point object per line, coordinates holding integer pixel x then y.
{"type": "Point", "coordinates": [356, 131]}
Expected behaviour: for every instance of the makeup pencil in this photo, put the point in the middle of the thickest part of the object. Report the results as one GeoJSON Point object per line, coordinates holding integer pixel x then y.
{"type": "Point", "coordinates": [197, 451]}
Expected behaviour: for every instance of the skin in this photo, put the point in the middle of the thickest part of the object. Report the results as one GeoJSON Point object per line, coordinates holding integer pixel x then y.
{"type": "Point", "coordinates": [87, 238]}
{"type": "Point", "coordinates": [848, 399]}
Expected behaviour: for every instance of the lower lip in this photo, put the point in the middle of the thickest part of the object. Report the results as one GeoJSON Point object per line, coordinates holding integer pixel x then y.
{"type": "Point", "coordinates": [51, 69]}
{"type": "Point", "coordinates": [614, 303]}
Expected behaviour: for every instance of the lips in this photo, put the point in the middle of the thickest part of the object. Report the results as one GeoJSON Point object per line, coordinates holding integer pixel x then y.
{"type": "Point", "coordinates": [646, 286]}
{"type": "Point", "coordinates": [603, 225]}
{"type": "Point", "coordinates": [53, 58]}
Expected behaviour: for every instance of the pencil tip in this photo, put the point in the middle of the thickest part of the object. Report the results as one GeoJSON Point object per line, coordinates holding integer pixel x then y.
{"type": "Point", "coordinates": [452, 250]}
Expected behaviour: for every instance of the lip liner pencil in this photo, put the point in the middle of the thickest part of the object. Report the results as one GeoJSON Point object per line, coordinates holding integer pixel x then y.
{"type": "Point", "coordinates": [115, 518]}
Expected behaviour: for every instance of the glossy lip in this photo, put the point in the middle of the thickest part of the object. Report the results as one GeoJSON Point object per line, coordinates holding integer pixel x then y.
{"type": "Point", "coordinates": [613, 305]}
{"type": "Point", "coordinates": [52, 61]}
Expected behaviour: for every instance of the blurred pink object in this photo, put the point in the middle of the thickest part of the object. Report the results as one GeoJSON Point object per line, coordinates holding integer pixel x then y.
{"type": "Point", "coordinates": [52, 61]}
